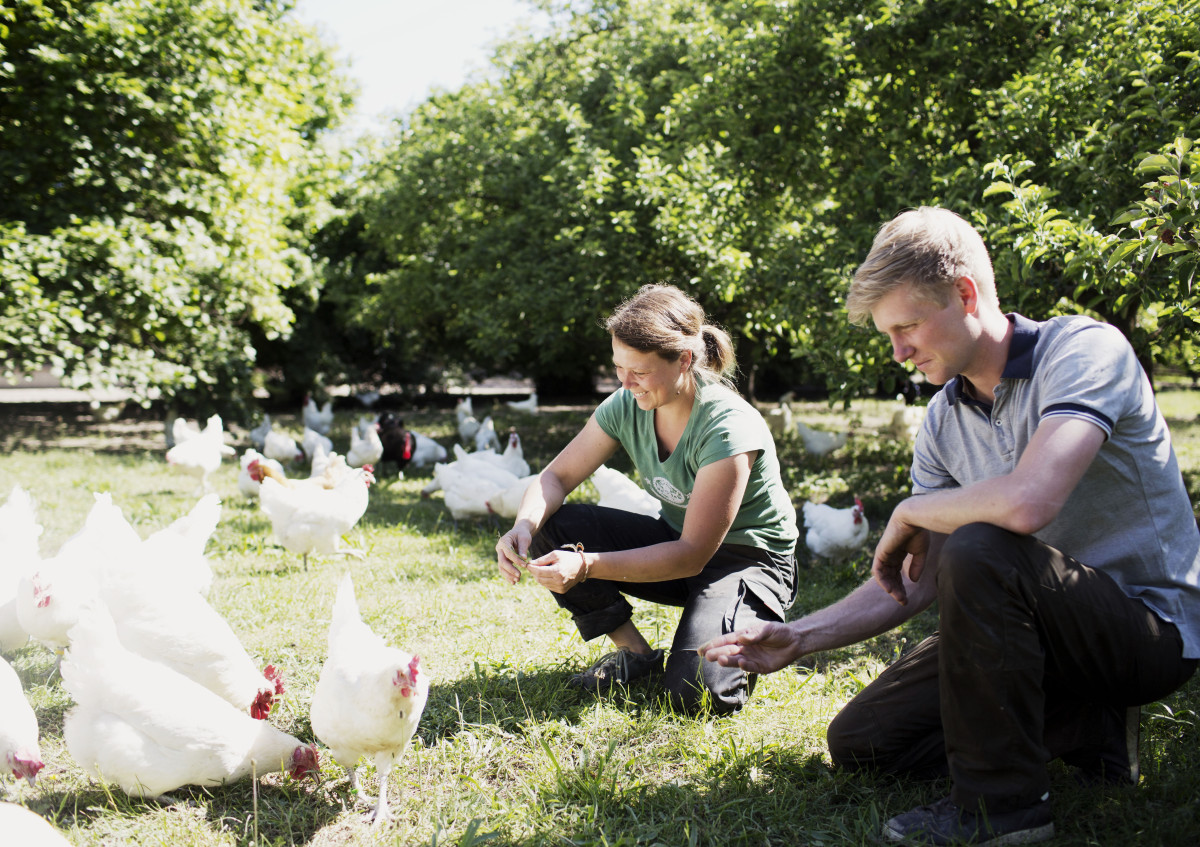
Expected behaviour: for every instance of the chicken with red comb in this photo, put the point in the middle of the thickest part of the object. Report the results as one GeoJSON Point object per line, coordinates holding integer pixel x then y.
{"type": "Point", "coordinates": [369, 697]}
{"type": "Point", "coordinates": [18, 728]}
{"type": "Point", "coordinates": [139, 724]}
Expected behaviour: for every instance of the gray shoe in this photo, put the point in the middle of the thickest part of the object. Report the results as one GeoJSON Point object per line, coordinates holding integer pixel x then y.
{"type": "Point", "coordinates": [619, 668]}
{"type": "Point", "coordinates": [945, 822]}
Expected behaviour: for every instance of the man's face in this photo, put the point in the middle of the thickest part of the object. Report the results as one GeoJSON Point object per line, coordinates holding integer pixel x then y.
{"type": "Point", "coordinates": [937, 339]}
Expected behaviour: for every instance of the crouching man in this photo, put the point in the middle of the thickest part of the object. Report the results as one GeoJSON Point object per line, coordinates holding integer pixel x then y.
{"type": "Point", "coordinates": [1050, 521]}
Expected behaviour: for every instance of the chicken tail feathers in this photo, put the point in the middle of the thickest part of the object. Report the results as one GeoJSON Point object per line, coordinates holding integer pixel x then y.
{"type": "Point", "coordinates": [345, 605]}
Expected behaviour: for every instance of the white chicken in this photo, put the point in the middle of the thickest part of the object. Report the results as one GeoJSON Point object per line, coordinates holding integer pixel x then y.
{"type": "Point", "coordinates": [779, 419]}
{"type": "Point", "coordinates": [162, 621]}
{"type": "Point", "coordinates": [247, 484]}
{"type": "Point", "coordinates": [486, 437]}
{"type": "Point", "coordinates": [201, 455]}
{"type": "Point", "coordinates": [19, 533]}
{"type": "Point", "coordinates": [328, 467]}
{"type": "Point", "coordinates": [906, 420]}
{"type": "Point", "coordinates": [313, 519]}
{"type": "Point", "coordinates": [617, 491]}
{"type": "Point", "coordinates": [468, 425]}
{"type": "Point", "coordinates": [105, 532]}
{"type": "Point", "coordinates": [366, 422]}
{"type": "Point", "coordinates": [176, 551]}
{"type": "Point", "coordinates": [470, 468]}
{"type": "Point", "coordinates": [319, 419]}
{"type": "Point", "coordinates": [149, 729]}
{"type": "Point", "coordinates": [365, 448]}
{"type": "Point", "coordinates": [105, 549]}
{"type": "Point", "coordinates": [29, 829]}
{"type": "Point", "coordinates": [329, 471]}
{"type": "Point", "coordinates": [49, 599]}
{"type": "Point", "coordinates": [313, 442]}
{"type": "Point", "coordinates": [529, 405]}
{"type": "Point", "coordinates": [511, 460]}
{"type": "Point", "coordinates": [467, 498]}
{"type": "Point", "coordinates": [820, 442]}
{"type": "Point", "coordinates": [369, 697]}
{"type": "Point", "coordinates": [258, 435]}
{"type": "Point", "coordinates": [506, 503]}
{"type": "Point", "coordinates": [281, 447]}
{"type": "Point", "coordinates": [20, 753]}
{"type": "Point", "coordinates": [426, 451]}
{"type": "Point", "coordinates": [835, 534]}
{"type": "Point", "coordinates": [180, 430]}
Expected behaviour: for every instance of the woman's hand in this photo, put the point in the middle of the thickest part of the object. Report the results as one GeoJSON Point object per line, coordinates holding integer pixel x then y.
{"type": "Point", "coordinates": [560, 570]}
{"type": "Point", "coordinates": [512, 552]}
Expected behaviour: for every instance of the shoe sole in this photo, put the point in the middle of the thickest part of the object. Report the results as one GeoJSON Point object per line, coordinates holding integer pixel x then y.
{"type": "Point", "coordinates": [1024, 836]}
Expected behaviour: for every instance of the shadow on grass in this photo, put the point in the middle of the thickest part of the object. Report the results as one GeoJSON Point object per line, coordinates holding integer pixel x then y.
{"type": "Point", "coordinates": [283, 810]}
{"type": "Point", "coordinates": [509, 698]}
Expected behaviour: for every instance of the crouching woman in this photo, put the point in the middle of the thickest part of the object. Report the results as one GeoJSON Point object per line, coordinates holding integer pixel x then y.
{"type": "Point", "coordinates": [723, 547]}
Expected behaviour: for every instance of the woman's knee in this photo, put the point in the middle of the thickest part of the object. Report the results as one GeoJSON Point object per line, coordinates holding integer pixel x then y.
{"type": "Point", "coordinates": [693, 686]}
{"type": "Point", "coordinates": [564, 523]}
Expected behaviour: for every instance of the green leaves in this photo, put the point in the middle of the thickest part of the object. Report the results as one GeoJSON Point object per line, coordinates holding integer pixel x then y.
{"type": "Point", "coordinates": [175, 207]}
{"type": "Point", "coordinates": [166, 155]}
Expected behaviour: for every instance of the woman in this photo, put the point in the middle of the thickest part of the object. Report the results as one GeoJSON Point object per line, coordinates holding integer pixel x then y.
{"type": "Point", "coordinates": [724, 546]}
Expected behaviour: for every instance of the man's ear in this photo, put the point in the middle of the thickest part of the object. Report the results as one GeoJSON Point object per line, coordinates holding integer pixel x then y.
{"type": "Point", "coordinates": [967, 293]}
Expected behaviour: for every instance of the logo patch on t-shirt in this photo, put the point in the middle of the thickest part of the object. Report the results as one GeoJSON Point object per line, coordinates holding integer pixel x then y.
{"type": "Point", "coordinates": [667, 491]}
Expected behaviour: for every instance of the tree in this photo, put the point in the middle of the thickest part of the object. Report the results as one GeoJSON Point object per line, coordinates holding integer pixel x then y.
{"type": "Point", "coordinates": [163, 171]}
{"type": "Point", "coordinates": [749, 151]}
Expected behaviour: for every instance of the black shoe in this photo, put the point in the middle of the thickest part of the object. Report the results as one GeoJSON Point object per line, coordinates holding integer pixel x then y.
{"type": "Point", "coordinates": [945, 822]}
{"type": "Point", "coordinates": [619, 668]}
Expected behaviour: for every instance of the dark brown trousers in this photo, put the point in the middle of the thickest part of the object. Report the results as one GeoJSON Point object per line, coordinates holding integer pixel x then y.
{"type": "Point", "coordinates": [1036, 658]}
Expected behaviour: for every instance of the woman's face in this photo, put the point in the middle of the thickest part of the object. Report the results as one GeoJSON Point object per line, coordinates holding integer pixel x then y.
{"type": "Point", "coordinates": [653, 381]}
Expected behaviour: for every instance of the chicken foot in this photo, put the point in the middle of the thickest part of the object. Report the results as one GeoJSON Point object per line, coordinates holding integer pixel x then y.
{"type": "Point", "coordinates": [384, 761]}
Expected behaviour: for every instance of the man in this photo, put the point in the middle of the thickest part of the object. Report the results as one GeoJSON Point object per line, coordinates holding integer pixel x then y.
{"type": "Point", "coordinates": [1048, 519]}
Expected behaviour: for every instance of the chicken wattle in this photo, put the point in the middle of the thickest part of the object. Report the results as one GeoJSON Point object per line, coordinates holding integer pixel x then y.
{"type": "Point", "coordinates": [369, 697]}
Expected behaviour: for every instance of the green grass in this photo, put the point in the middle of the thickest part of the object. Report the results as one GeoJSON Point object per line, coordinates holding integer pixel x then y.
{"type": "Point", "coordinates": [506, 753]}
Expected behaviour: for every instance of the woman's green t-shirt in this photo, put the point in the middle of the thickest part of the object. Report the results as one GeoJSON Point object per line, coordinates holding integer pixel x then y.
{"type": "Point", "coordinates": [721, 424]}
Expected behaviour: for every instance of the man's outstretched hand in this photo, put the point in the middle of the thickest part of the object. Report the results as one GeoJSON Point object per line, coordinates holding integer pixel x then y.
{"type": "Point", "coordinates": [762, 648]}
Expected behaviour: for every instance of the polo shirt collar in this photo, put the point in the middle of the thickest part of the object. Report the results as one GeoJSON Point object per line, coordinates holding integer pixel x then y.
{"type": "Point", "coordinates": [1020, 356]}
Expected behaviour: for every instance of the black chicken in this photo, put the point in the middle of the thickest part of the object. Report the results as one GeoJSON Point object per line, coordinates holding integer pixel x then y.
{"type": "Point", "coordinates": [398, 442]}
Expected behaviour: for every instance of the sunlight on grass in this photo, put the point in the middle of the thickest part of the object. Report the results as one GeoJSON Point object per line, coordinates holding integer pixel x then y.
{"type": "Point", "coordinates": [506, 753]}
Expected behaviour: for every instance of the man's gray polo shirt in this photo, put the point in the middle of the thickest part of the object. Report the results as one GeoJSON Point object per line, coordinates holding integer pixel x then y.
{"type": "Point", "coordinates": [1130, 515]}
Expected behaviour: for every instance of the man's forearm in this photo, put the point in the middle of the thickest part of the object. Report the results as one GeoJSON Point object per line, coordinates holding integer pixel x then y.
{"type": "Point", "coordinates": [865, 612]}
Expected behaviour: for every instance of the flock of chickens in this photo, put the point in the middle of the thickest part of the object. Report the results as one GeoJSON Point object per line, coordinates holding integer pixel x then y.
{"type": "Point", "coordinates": [164, 693]}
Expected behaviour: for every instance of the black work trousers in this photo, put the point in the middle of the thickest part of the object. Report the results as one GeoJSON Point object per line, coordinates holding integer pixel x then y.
{"type": "Point", "coordinates": [1034, 651]}
{"type": "Point", "coordinates": [739, 587]}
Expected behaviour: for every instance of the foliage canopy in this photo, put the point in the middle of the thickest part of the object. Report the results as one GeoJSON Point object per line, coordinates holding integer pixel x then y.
{"type": "Point", "coordinates": [168, 218]}
{"type": "Point", "coordinates": [748, 151]}
{"type": "Point", "coordinates": [163, 177]}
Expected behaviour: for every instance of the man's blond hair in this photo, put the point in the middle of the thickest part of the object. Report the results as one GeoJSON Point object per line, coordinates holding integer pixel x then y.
{"type": "Point", "coordinates": [928, 248]}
